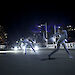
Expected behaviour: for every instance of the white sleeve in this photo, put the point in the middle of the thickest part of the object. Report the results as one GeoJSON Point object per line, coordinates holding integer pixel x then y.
{"type": "Point", "coordinates": [66, 35]}
{"type": "Point", "coordinates": [56, 34]}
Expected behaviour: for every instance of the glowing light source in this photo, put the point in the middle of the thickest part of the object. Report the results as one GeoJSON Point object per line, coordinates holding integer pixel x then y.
{"type": "Point", "coordinates": [21, 39]}
{"type": "Point", "coordinates": [23, 47]}
{"type": "Point", "coordinates": [12, 48]}
{"type": "Point", "coordinates": [19, 48]}
{"type": "Point", "coordinates": [66, 40]}
{"type": "Point", "coordinates": [72, 29]}
{"type": "Point", "coordinates": [52, 39]}
{"type": "Point", "coordinates": [11, 51]}
{"type": "Point", "coordinates": [58, 26]}
{"type": "Point", "coordinates": [2, 46]}
{"type": "Point", "coordinates": [34, 41]}
{"type": "Point", "coordinates": [15, 48]}
{"type": "Point", "coordinates": [16, 41]}
{"type": "Point", "coordinates": [22, 44]}
{"type": "Point", "coordinates": [39, 26]}
{"type": "Point", "coordinates": [36, 47]}
{"type": "Point", "coordinates": [69, 25]}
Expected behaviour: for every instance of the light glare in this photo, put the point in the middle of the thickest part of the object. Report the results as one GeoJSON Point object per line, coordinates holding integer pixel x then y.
{"type": "Point", "coordinates": [15, 48]}
{"type": "Point", "coordinates": [36, 47]}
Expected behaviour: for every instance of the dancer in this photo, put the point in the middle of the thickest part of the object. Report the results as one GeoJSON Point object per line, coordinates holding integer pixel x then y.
{"type": "Point", "coordinates": [28, 42]}
{"type": "Point", "coordinates": [63, 35]}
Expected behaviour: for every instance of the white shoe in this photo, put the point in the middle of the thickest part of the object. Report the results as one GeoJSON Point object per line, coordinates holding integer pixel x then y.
{"type": "Point", "coordinates": [70, 57]}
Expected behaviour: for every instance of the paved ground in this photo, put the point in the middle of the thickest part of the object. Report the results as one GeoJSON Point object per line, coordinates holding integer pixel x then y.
{"type": "Point", "coordinates": [37, 63]}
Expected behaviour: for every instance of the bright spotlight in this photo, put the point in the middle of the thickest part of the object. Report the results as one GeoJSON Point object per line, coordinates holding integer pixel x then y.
{"type": "Point", "coordinates": [23, 47]}
{"type": "Point", "coordinates": [19, 48]}
{"type": "Point", "coordinates": [66, 40]}
{"type": "Point", "coordinates": [12, 48]}
{"type": "Point", "coordinates": [15, 48]}
{"type": "Point", "coordinates": [31, 49]}
{"type": "Point", "coordinates": [36, 47]}
{"type": "Point", "coordinates": [52, 39]}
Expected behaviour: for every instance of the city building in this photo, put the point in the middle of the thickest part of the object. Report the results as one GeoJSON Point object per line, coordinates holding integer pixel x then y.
{"type": "Point", "coordinates": [3, 35]}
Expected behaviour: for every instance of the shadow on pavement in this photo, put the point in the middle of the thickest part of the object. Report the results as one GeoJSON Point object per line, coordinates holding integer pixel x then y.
{"type": "Point", "coordinates": [45, 59]}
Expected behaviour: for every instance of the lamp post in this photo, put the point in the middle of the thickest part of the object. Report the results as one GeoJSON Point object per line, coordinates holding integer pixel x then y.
{"type": "Point", "coordinates": [55, 32]}
{"type": "Point", "coordinates": [46, 34]}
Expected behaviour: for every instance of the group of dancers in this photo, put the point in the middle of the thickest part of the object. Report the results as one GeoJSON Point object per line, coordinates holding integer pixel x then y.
{"type": "Point", "coordinates": [61, 40]}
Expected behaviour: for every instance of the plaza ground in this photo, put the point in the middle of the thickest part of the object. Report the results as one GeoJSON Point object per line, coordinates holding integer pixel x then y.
{"type": "Point", "coordinates": [37, 63]}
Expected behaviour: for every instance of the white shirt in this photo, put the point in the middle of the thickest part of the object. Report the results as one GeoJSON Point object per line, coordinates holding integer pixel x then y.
{"type": "Point", "coordinates": [63, 35]}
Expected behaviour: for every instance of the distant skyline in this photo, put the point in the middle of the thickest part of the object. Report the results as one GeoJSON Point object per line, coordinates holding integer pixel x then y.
{"type": "Point", "coordinates": [21, 19]}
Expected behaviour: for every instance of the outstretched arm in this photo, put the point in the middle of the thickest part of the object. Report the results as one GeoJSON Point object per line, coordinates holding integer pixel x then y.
{"type": "Point", "coordinates": [56, 34]}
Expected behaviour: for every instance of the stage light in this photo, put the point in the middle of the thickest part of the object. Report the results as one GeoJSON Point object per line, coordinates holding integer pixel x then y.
{"type": "Point", "coordinates": [23, 47]}
{"type": "Point", "coordinates": [66, 40]}
{"type": "Point", "coordinates": [52, 39]}
{"type": "Point", "coordinates": [36, 47]}
{"type": "Point", "coordinates": [19, 48]}
{"type": "Point", "coordinates": [15, 48]}
{"type": "Point", "coordinates": [12, 48]}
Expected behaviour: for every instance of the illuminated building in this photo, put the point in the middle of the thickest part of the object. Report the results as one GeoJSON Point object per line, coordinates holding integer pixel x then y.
{"type": "Point", "coordinates": [71, 31]}
{"type": "Point", "coordinates": [3, 35]}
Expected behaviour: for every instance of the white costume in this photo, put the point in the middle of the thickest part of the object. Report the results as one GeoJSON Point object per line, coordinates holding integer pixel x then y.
{"type": "Point", "coordinates": [62, 36]}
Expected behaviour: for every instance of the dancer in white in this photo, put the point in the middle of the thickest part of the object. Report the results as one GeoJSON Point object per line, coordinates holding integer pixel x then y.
{"type": "Point", "coordinates": [27, 42]}
{"type": "Point", "coordinates": [63, 36]}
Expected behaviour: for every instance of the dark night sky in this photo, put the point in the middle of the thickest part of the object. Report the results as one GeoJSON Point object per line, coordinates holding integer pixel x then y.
{"type": "Point", "coordinates": [20, 19]}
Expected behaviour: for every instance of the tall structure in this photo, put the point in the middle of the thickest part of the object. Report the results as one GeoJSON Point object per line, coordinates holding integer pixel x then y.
{"type": "Point", "coordinates": [71, 31]}
{"type": "Point", "coordinates": [55, 33]}
{"type": "Point", "coordinates": [3, 35]}
{"type": "Point", "coordinates": [44, 32]}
